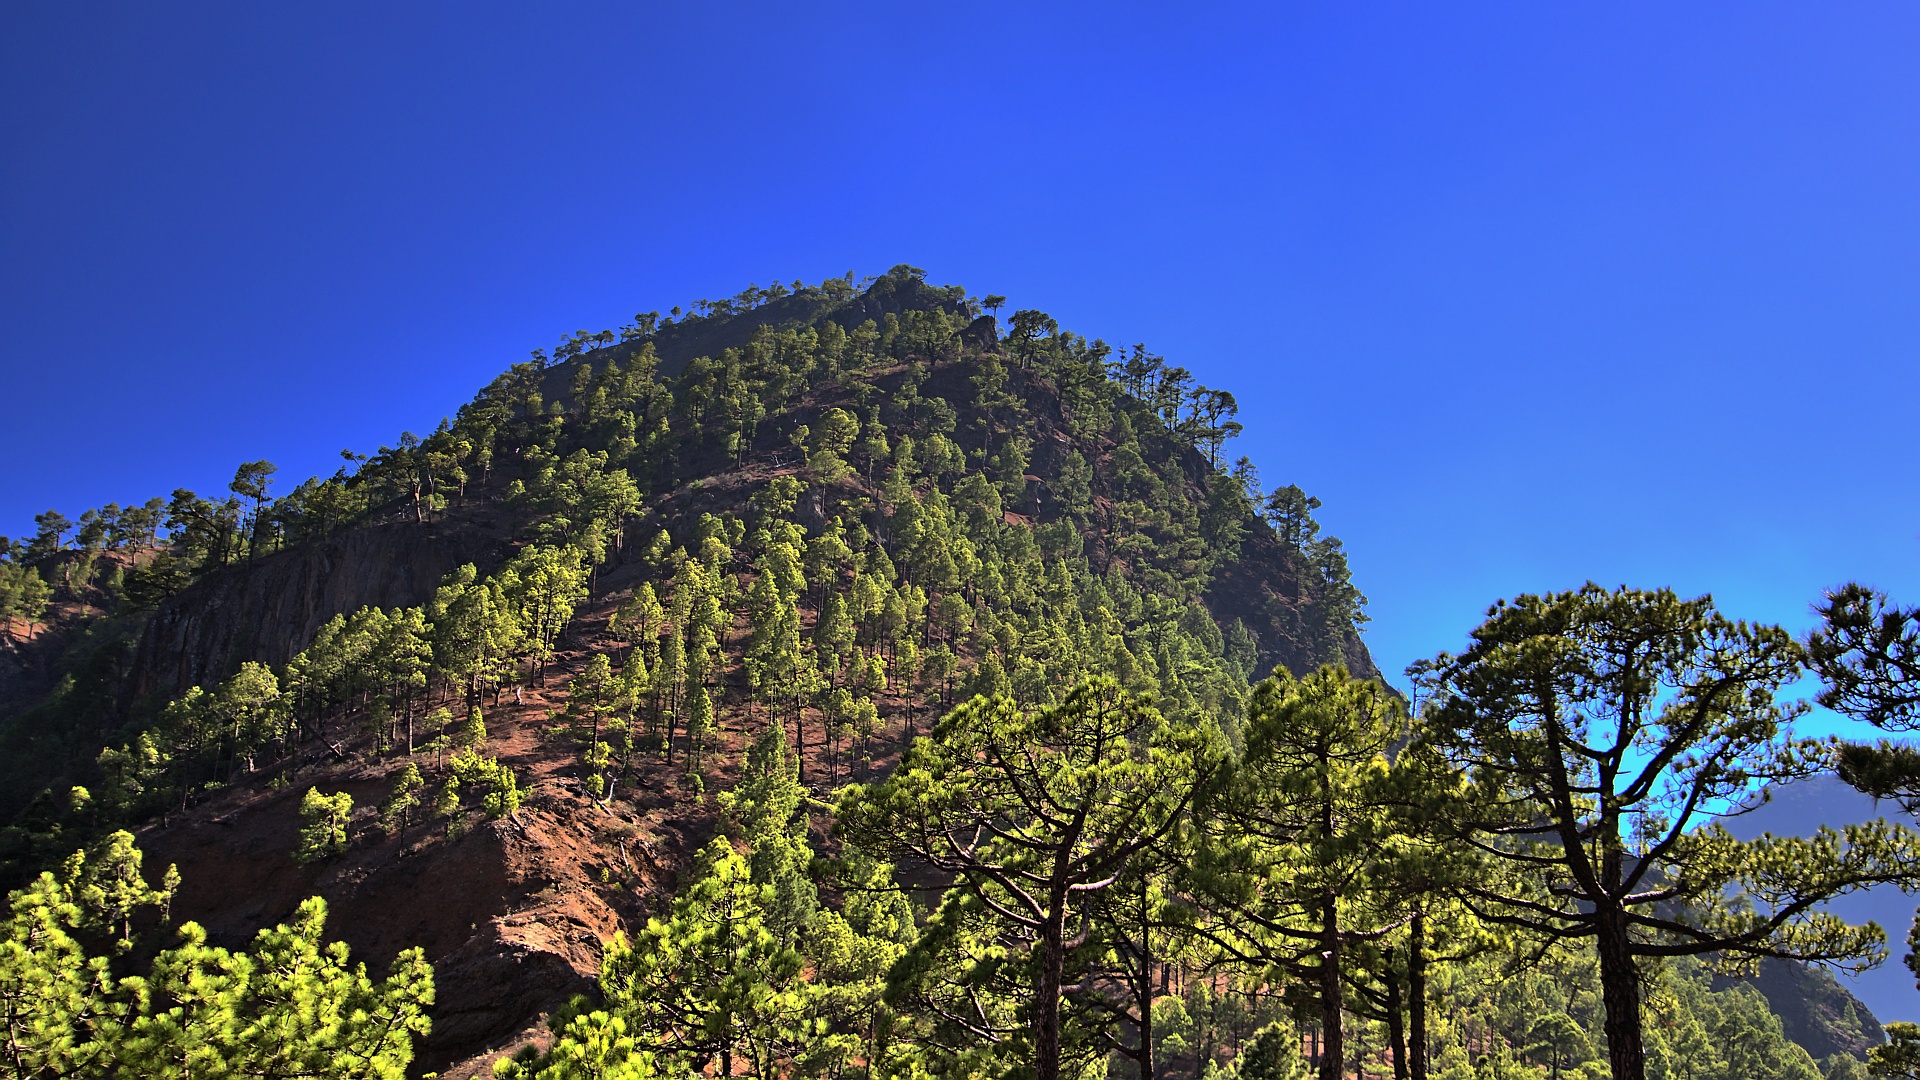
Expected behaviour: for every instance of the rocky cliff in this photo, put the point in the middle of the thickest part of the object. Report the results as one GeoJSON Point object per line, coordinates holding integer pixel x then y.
{"type": "Point", "coordinates": [267, 609]}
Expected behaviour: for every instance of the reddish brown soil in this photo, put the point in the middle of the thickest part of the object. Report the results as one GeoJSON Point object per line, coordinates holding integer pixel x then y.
{"type": "Point", "coordinates": [513, 913]}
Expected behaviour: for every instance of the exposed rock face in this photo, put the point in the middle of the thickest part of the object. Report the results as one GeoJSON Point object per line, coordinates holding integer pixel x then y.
{"type": "Point", "coordinates": [512, 914]}
{"type": "Point", "coordinates": [1815, 1010]}
{"type": "Point", "coordinates": [268, 609]}
{"type": "Point", "coordinates": [1263, 590]}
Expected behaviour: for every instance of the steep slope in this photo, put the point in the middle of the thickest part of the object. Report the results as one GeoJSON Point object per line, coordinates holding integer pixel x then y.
{"type": "Point", "coordinates": [1815, 1010]}
{"type": "Point", "coordinates": [960, 513]}
{"type": "Point", "coordinates": [269, 609]}
{"type": "Point", "coordinates": [266, 609]}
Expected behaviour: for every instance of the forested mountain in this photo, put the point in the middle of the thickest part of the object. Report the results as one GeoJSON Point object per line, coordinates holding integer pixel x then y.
{"type": "Point", "coordinates": [839, 679]}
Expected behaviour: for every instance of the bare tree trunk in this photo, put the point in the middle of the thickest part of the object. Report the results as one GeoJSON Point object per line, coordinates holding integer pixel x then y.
{"type": "Point", "coordinates": [1396, 1023]}
{"type": "Point", "coordinates": [799, 741]}
{"type": "Point", "coordinates": [1046, 1007]}
{"type": "Point", "coordinates": [1620, 991]}
{"type": "Point", "coordinates": [1417, 998]}
{"type": "Point", "coordinates": [1143, 981]}
{"type": "Point", "coordinates": [1333, 1053]}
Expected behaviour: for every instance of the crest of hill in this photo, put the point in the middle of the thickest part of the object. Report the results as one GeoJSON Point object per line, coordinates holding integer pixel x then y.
{"type": "Point", "coordinates": [268, 609]}
{"type": "Point", "coordinates": [900, 290]}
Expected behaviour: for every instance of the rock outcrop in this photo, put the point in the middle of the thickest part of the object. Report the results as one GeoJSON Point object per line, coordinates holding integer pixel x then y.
{"type": "Point", "coordinates": [268, 609]}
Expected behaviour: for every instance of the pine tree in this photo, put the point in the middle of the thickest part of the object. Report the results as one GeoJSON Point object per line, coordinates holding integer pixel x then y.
{"type": "Point", "coordinates": [1600, 726]}
{"type": "Point", "coordinates": [397, 812]}
{"type": "Point", "coordinates": [588, 1046]}
{"type": "Point", "coordinates": [1273, 1054]}
{"type": "Point", "coordinates": [669, 678]}
{"type": "Point", "coordinates": [324, 832]}
{"type": "Point", "coordinates": [766, 810]}
{"type": "Point", "coordinates": [712, 980]}
{"type": "Point", "coordinates": [53, 996]}
{"type": "Point", "coordinates": [108, 886]}
{"type": "Point", "coordinates": [504, 795]}
{"type": "Point", "coordinates": [1064, 798]}
{"type": "Point", "coordinates": [638, 620]}
{"type": "Point", "coordinates": [1305, 835]}
{"type": "Point", "coordinates": [291, 1007]}
{"type": "Point", "coordinates": [592, 697]}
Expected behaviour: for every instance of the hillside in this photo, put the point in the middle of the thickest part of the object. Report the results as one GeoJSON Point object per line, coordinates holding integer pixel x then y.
{"type": "Point", "coordinates": [688, 580]}
{"type": "Point", "coordinates": [981, 513]}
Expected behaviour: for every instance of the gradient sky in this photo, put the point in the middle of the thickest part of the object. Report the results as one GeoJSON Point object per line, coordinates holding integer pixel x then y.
{"type": "Point", "coordinates": [1528, 294]}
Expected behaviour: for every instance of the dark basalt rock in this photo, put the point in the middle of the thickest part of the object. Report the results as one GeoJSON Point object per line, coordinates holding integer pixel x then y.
{"type": "Point", "coordinates": [268, 609]}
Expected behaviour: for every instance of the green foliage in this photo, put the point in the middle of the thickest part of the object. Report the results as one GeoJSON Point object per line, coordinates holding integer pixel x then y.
{"type": "Point", "coordinates": [1868, 654]}
{"type": "Point", "coordinates": [1900, 1057]}
{"type": "Point", "coordinates": [109, 887]}
{"type": "Point", "coordinates": [473, 733]}
{"type": "Point", "coordinates": [23, 597]}
{"type": "Point", "coordinates": [1312, 857]}
{"type": "Point", "coordinates": [1599, 728]}
{"type": "Point", "coordinates": [1844, 1067]}
{"type": "Point", "coordinates": [53, 995]}
{"type": "Point", "coordinates": [503, 798]}
{"type": "Point", "coordinates": [713, 979]}
{"type": "Point", "coordinates": [591, 1046]}
{"type": "Point", "coordinates": [323, 832]}
{"type": "Point", "coordinates": [1068, 794]}
{"type": "Point", "coordinates": [829, 443]}
{"type": "Point", "coordinates": [568, 461]}
{"type": "Point", "coordinates": [397, 812]}
{"type": "Point", "coordinates": [291, 1006]}
{"type": "Point", "coordinates": [1272, 1054]}
{"type": "Point", "coordinates": [766, 811]}
{"type": "Point", "coordinates": [501, 794]}
{"type": "Point", "coordinates": [1156, 868]}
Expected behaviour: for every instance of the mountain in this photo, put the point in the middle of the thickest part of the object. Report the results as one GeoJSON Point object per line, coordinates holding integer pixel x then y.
{"type": "Point", "coordinates": [1886, 992]}
{"type": "Point", "coordinates": [971, 512]}
{"type": "Point", "coordinates": [604, 699]}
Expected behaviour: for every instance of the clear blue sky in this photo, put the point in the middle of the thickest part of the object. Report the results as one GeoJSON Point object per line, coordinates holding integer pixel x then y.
{"type": "Point", "coordinates": [1528, 294]}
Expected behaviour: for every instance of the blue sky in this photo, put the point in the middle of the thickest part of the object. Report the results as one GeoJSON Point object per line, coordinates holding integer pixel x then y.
{"type": "Point", "coordinates": [1527, 294]}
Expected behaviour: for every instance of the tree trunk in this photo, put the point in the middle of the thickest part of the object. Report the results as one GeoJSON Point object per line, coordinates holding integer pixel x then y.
{"type": "Point", "coordinates": [1046, 1006]}
{"type": "Point", "coordinates": [1396, 1027]}
{"type": "Point", "coordinates": [1143, 992]}
{"type": "Point", "coordinates": [1417, 998]}
{"type": "Point", "coordinates": [1620, 991]}
{"type": "Point", "coordinates": [1333, 1053]}
{"type": "Point", "coordinates": [1149, 1068]}
{"type": "Point", "coordinates": [799, 744]}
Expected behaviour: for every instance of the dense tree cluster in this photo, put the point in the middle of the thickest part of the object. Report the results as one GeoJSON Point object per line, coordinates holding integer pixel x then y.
{"type": "Point", "coordinates": [937, 561]}
{"type": "Point", "coordinates": [1349, 890]}
{"type": "Point", "coordinates": [291, 1007]}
